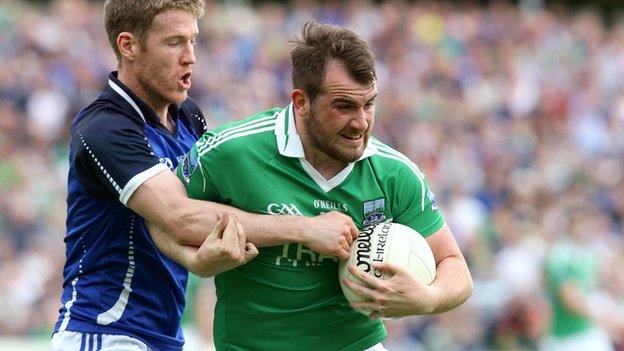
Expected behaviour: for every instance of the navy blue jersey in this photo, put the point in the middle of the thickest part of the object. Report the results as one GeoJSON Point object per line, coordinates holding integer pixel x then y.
{"type": "Point", "coordinates": [115, 279]}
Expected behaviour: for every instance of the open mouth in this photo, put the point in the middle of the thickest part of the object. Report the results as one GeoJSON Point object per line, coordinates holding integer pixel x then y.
{"type": "Point", "coordinates": [186, 80]}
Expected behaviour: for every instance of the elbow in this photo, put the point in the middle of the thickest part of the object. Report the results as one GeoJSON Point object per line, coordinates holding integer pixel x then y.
{"type": "Point", "coordinates": [468, 284]}
{"type": "Point", "coordinates": [465, 288]}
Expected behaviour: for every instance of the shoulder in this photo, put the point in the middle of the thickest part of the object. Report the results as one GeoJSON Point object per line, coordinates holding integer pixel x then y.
{"type": "Point", "coordinates": [392, 162]}
{"type": "Point", "coordinates": [255, 131]}
{"type": "Point", "coordinates": [104, 115]}
{"type": "Point", "coordinates": [399, 175]}
{"type": "Point", "coordinates": [106, 128]}
{"type": "Point", "coordinates": [259, 120]}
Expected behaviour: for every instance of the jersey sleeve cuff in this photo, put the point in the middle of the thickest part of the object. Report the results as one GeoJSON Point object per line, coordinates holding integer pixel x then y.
{"type": "Point", "coordinates": [139, 179]}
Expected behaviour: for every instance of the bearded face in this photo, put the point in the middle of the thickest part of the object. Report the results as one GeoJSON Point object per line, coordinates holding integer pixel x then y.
{"type": "Point", "coordinates": [337, 137]}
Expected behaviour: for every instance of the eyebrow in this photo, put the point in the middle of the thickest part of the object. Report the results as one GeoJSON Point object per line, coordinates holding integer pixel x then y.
{"type": "Point", "coordinates": [351, 100]}
{"type": "Point", "coordinates": [181, 36]}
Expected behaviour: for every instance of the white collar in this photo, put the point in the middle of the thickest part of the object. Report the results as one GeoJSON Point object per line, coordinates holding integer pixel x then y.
{"type": "Point", "coordinates": [288, 141]}
{"type": "Point", "coordinates": [289, 145]}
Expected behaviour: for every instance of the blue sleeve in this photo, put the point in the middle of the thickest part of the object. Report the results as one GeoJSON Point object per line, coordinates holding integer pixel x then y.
{"type": "Point", "coordinates": [111, 155]}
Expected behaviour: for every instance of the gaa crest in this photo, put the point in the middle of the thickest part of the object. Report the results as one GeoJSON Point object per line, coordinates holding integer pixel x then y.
{"type": "Point", "coordinates": [431, 197]}
{"type": "Point", "coordinates": [189, 164]}
{"type": "Point", "coordinates": [373, 212]}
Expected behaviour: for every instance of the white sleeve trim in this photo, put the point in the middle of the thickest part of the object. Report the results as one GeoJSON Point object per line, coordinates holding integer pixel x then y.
{"type": "Point", "coordinates": [139, 179]}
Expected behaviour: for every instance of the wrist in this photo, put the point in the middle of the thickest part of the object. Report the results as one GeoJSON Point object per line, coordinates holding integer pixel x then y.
{"type": "Point", "coordinates": [427, 303]}
{"type": "Point", "coordinates": [192, 264]}
{"type": "Point", "coordinates": [299, 234]}
{"type": "Point", "coordinates": [198, 265]}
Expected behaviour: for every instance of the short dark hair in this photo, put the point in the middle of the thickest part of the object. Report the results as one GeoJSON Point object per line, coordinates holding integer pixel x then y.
{"type": "Point", "coordinates": [137, 16]}
{"type": "Point", "coordinates": [321, 43]}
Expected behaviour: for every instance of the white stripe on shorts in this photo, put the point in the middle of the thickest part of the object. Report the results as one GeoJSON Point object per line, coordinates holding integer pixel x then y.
{"type": "Point", "coordinates": [75, 341]}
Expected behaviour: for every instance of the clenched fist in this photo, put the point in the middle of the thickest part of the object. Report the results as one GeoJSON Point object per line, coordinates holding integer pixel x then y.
{"type": "Point", "coordinates": [330, 234]}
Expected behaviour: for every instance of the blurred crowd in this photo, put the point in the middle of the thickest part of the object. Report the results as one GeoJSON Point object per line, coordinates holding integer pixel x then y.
{"type": "Point", "coordinates": [515, 114]}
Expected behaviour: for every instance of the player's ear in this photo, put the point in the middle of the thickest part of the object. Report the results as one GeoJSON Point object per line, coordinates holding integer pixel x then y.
{"type": "Point", "coordinates": [127, 44]}
{"type": "Point", "coordinates": [301, 102]}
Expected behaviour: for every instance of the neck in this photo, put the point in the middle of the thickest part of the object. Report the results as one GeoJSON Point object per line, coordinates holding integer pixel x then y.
{"type": "Point", "coordinates": [326, 166]}
{"type": "Point", "coordinates": [130, 80]}
{"type": "Point", "coordinates": [322, 163]}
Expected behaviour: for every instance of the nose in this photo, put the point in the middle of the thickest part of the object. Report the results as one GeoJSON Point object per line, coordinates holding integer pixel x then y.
{"type": "Point", "coordinates": [360, 119]}
{"type": "Point", "coordinates": [188, 55]}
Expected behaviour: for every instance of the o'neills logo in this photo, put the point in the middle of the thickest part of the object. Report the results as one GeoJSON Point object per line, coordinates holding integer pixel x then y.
{"type": "Point", "coordinates": [366, 253]}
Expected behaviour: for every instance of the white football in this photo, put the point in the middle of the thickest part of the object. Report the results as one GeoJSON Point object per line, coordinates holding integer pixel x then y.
{"type": "Point", "coordinates": [388, 242]}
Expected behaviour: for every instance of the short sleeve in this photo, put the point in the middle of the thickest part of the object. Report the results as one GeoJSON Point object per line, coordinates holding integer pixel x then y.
{"type": "Point", "coordinates": [112, 156]}
{"type": "Point", "coordinates": [414, 202]}
{"type": "Point", "coordinates": [193, 171]}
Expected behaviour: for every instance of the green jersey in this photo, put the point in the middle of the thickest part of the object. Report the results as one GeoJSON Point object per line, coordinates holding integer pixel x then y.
{"type": "Point", "coordinates": [569, 263]}
{"type": "Point", "coordinates": [289, 297]}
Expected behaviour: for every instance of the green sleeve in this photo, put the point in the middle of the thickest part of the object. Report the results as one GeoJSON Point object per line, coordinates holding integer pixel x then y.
{"type": "Point", "coordinates": [194, 173]}
{"type": "Point", "coordinates": [415, 204]}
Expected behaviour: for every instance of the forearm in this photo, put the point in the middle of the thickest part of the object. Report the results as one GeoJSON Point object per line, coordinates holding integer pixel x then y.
{"type": "Point", "coordinates": [183, 255]}
{"type": "Point", "coordinates": [195, 218]}
{"type": "Point", "coordinates": [453, 284]}
{"type": "Point", "coordinates": [271, 230]}
{"type": "Point", "coordinates": [162, 200]}
{"type": "Point", "coordinates": [224, 248]}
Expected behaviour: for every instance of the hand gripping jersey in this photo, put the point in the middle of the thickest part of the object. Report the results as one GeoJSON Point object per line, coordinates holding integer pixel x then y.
{"type": "Point", "coordinates": [289, 298]}
{"type": "Point", "coordinates": [115, 279]}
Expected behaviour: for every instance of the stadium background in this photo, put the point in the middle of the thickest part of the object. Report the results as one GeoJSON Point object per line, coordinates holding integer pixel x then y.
{"type": "Point", "coordinates": [514, 111]}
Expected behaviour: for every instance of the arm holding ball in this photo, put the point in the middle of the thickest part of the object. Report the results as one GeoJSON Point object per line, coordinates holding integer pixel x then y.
{"type": "Point", "coordinates": [402, 294]}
